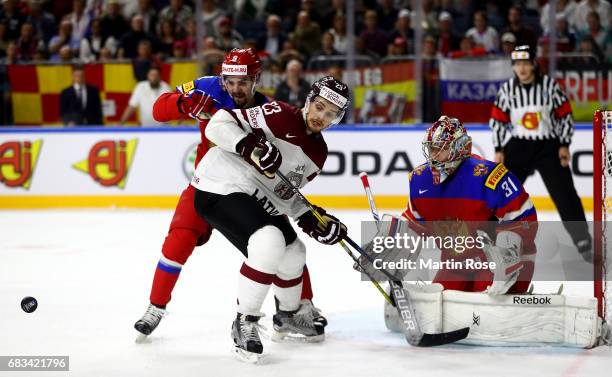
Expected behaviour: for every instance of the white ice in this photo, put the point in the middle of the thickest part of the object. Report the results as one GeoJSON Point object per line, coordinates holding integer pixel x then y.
{"type": "Point", "coordinates": [91, 272]}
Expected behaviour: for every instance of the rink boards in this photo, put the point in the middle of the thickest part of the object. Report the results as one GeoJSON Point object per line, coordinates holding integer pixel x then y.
{"type": "Point", "coordinates": [149, 167]}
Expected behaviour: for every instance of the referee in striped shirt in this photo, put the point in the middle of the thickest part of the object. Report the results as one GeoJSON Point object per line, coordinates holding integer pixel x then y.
{"type": "Point", "coordinates": [533, 110]}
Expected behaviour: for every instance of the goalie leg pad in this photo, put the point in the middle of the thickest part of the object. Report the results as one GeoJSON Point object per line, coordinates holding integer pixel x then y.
{"type": "Point", "coordinates": [508, 320]}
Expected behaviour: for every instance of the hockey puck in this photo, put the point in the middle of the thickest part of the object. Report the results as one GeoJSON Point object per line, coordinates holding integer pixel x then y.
{"type": "Point", "coordinates": [29, 304]}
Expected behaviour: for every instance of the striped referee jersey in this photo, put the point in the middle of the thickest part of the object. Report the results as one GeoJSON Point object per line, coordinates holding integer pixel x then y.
{"type": "Point", "coordinates": [536, 111]}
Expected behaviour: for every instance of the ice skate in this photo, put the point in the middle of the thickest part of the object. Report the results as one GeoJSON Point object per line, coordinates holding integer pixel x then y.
{"type": "Point", "coordinates": [149, 322]}
{"type": "Point", "coordinates": [298, 326]}
{"type": "Point", "coordinates": [318, 318]}
{"type": "Point", "coordinates": [245, 333]}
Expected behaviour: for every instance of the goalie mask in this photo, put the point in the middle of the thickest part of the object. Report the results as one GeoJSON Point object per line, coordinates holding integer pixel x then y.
{"type": "Point", "coordinates": [446, 145]}
{"type": "Point", "coordinates": [334, 91]}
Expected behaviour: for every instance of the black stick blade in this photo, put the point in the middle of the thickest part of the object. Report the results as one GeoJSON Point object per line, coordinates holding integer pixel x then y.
{"type": "Point", "coordinates": [432, 340]}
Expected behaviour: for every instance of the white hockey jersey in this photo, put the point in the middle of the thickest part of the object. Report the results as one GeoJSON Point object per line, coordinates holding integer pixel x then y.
{"type": "Point", "coordinates": [223, 170]}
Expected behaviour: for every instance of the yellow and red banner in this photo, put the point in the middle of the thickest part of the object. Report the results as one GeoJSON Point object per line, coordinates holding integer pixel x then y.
{"type": "Point", "coordinates": [36, 89]}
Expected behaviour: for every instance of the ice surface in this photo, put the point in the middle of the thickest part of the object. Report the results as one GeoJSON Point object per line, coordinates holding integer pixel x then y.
{"type": "Point", "coordinates": [91, 272]}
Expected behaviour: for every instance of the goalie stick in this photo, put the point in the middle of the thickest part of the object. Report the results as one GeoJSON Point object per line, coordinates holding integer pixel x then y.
{"type": "Point", "coordinates": [400, 296]}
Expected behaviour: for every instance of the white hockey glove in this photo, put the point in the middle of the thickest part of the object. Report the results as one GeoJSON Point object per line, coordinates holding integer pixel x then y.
{"type": "Point", "coordinates": [389, 226]}
{"type": "Point", "coordinates": [506, 254]}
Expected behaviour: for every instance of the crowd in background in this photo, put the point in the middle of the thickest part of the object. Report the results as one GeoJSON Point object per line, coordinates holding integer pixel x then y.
{"type": "Point", "coordinates": [291, 35]}
{"type": "Point", "coordinates": [281, 30]}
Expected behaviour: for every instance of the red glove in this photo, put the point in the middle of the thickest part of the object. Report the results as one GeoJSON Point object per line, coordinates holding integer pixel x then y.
{"type": "Point", "coordinates": [333, 231]}
{"type": "Point", "coordinates": [260, 153]}
{"type": "Point", "coordinates": [197, 104]}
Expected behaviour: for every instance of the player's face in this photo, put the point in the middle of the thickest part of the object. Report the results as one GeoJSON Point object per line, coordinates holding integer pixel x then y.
{"type": "Point", "coordinates": [240, 88]}
{"type": "Point", "coordinates": [440, 153]}
{"type": "Point", "coordinates": [321, 114]}
{"type": "Point", "coordinates": [524, 70]}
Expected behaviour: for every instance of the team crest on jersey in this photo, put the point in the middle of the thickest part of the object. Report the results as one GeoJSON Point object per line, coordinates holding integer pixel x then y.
{"type": "Point", "coordinates": [480, 170]}
{"type": "Point", "coordinates": [281, 189]}
{"type": "Point", "coordinates": [419, 169]}
{"type": "Point", "coordinates": [531, 120]}
{"type": "Point", "coordinates": [496, 175]}
{"type": "Point", "coordinates": [188, 86]}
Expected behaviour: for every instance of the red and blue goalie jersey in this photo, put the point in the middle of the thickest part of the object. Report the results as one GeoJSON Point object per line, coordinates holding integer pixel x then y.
{"type": "Point", "coordinates": [479, 192]}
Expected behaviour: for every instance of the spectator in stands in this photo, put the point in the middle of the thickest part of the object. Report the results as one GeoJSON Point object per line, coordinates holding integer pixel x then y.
{"type": "Point", "coordinates": [28, 43]}
{"type": "Point", "coordinates": [508, 42]}
{"type": "Point", "coordinates": [10, 54]}
{"type": "Point", "coordinates": [373, 37]}
{"type": "Point", "coordinates": [92, 45]}
{"type": "Point", "coordinates": [44, 22]}
{"type": "Point", "coordinates": [227, 38]}
{"type": "Point", "coordinates": [448, 40]}
{"type": "Point", "coordinates": [307, 34]}
{"type": "Point", "coordinates": [79, 19]}
{"type": "Point", "coordinates": [387, 14]}
{"type": "Point", "coordinates": [294, 89]}
{"type": "Point", "coordinates": [191, 36]}
{"type": "Point", "coordinates": [564, 7]}
{"type": "Point", "coordinates": [113, 23]}
{"type": "Point", "coordinates": [399, 47]}
{"type": "Point", "coordinates": [66, 55]}
{"type": "Point", "coordinates": [271, 41]}
{"type": "Point", "coordinates": [63, 38]}
{"type": "Point", "coordinates": [482, 34]}
{"type": "Point", "coordinates": [80, 103]}
{"type": "Point", "coordinates": [179, 49]}
{"type": "Point", "coordinates": [12, 17]}
{"type": "Point", "coordinates": [327, 46]}
{"type": "Point", "coordinates": [211, 12]}
{"type": "Point", "coordinates": [166, 37]}
{"type": "Point", "coordinates": [288, 53]}
{"type": "Point", "coordinates": [95, 8]}
{"type": "Point", "coordinates": [310, 7]}
{"type": "Point", "coordinates": [4, 42]}
{"type": "Point", "coordinates": [430, 50]}
{"type": "Point", "coordinates": [566, 38]}
{"type": "Point", "coordinates": [467, 48]}
{"type": "Point", "coordinates": [403, 29]}
{"type": "Point", "coordinates": [128, 44]}
{"type": "Point", "coordinates": [177, 12]}
{"type": "Point", "coordinates": [593, 56]}
{"type": "Point", "coordinates": [524, 34]}
{"type": "Point", "coordinates": [601, 7]}
{"type": "Point", "coordinates": [212, 56]}
{"type": "Point", "coordinates": [144, 60]}
{"type": "Point", "coordinates": [338, 8]}
{"type": "Point", "coordinates": [149, 15]}
{"type": "Point", "coordinates": [361, 49]}
{"type": "Point", "coordinates": [144, 96]}
{"type": "Point", "coordinates": [338, 30]}
{"type": "Point", "coordinates": [600, 35]}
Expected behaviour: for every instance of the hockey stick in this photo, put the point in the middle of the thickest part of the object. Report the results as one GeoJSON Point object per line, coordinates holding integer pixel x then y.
{"type": "Point", "coordinates": [368, 191]}
{"type": "Point", "coordinates": [401, 298]}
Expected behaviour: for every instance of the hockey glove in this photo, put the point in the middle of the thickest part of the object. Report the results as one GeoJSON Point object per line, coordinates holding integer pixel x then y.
{"type": "Point", "coordinates": [260, 153]}
{"type": "Point", "coordinates": [506, 254]}
{"type": "Point", "coordinates": [197, 104]}
{"type": "Point", "coordinates": [332, 232]}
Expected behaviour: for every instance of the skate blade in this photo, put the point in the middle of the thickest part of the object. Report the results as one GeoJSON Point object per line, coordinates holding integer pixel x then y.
{"type": "Point", "coordinates": [248, 357]}
{"type": "Point", "coordinates": [285, 337]}
{"type": "Point", "coordinates": [142, 339]}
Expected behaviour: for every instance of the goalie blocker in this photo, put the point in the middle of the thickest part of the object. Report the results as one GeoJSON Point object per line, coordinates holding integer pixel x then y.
{"type": "Point", "coordinates": [507, 320]}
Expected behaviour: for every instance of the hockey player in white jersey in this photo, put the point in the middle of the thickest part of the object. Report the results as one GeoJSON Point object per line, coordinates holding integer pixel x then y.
{"type": "Point", "coordinates": [239, 194]}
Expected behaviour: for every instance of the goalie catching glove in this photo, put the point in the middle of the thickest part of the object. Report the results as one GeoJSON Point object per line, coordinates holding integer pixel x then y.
{"type": "Point", "coordinates": [197, 104]}
{"type": "Point", "coordinates": [260, 153]}
{"type": "Point", "coordinates": [506, 254]}
{"type": "Point", "coordinates": [329, 233]}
